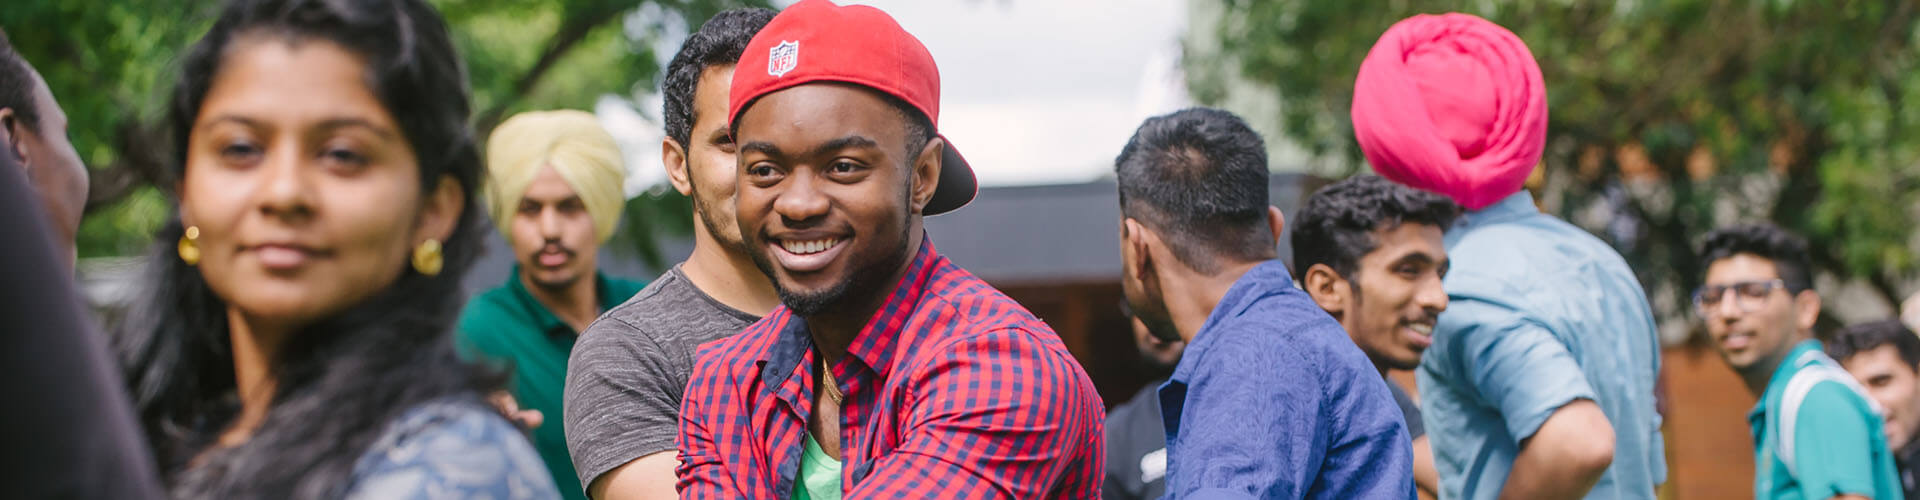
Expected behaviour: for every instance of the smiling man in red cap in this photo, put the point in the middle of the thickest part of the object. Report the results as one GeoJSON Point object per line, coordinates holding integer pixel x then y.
{"type": "Point", "coordinates": [887, 371]}
{"type": "Point", "coordinates": [1539, 380]}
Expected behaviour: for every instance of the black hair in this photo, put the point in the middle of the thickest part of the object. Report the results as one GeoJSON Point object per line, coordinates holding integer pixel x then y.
{"type": "Point", "coordinates": [16, 85]}
{"type": "Point", "coordinates": [719, 42]}
{"type": "Point", "coordinates": [919, 128]}
{"type": "Point", "coordinates": [1787, 252]}
{"type": "Point", "coordinates": [1336, 226]}
{"type": "Point", "coordinates": [1856, 339]}
{"type": "Point", "coordinates": [1199, 177]}
{"type": "Point", "coordinates": [339, 381]}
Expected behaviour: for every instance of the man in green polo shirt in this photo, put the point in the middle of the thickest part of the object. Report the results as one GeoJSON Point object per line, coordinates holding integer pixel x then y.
{"type": "Point", "coordinates": [1816, 434]}
{"type": "Point", "coordinates": [554, 190]}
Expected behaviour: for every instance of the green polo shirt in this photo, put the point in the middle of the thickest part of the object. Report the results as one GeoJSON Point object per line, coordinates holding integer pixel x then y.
{"type": "Point", "coordinates": [1817, 434]}
{"type": "Point", "coordinates": [509, 328]}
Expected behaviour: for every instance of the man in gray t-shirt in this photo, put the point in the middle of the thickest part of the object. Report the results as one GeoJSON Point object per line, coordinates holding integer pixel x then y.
{"type": "Point", "coordinates": [628, 370]}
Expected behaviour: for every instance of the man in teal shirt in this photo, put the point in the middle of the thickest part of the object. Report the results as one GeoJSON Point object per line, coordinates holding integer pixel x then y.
{"type": "Point", "coordinates": [1816, 435]}
{"type": "Point", "coordinates": [554, 190]}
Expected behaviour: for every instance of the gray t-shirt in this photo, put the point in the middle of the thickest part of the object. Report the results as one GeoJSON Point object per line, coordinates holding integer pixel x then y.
{"type": "Point", "coordinates": [628, 371]}
{"type": "Point", "coordinates": [1408, 410]}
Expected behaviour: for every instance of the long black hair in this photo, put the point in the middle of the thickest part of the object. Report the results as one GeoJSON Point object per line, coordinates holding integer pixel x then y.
{"type": "Point", "coordinates": [339, 381]}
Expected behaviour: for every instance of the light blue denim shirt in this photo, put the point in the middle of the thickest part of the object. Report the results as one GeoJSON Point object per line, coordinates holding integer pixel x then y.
{"type": "Point", "coordinates": [1541, 314]}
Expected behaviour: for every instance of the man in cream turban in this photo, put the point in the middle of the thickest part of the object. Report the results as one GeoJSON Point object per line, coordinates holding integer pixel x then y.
{"type": "Point", "coordinates": [1539, 381]}
{"type": "Point", "coordinates": [554, 188]}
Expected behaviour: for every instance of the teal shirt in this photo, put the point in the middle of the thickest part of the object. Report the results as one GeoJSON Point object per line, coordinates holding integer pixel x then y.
{"type": "Point", "coordinates": [1817, 435]}
{"type": "Point", "coordinates": [507, 327]}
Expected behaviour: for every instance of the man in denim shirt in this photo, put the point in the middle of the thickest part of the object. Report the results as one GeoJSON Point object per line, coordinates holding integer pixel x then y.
{"type": "Point", "coordinates": [1271, 399]}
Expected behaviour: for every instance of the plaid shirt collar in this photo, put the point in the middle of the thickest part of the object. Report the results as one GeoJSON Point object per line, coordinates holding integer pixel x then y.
{"type": "Point", "coordinates": [876, 343]}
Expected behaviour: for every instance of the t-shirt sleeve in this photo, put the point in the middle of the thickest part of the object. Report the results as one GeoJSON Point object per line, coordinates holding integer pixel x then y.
{"type": "Point", "coordinates": [622, 399]}
{"type": "Point", "coordinates": [1515, 364]}
{"type": "Point", "coordinates": [1409, 412]}
{"type": "Point", "coordinates": [1832, 450]}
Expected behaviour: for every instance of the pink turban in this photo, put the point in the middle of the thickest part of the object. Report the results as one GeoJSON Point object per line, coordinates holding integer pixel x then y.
{"type": "Point", "coordinates": [1452, 104]}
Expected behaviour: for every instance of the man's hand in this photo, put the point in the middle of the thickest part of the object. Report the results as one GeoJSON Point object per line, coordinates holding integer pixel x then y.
{"type": "Point", "coordinates": [1565, 457]}
{"type": "Point", "coordinates": [510, 408]}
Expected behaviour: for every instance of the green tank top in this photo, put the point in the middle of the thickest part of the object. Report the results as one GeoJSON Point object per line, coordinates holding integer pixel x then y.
{"type": "Point", "coordinates": [819, 474]}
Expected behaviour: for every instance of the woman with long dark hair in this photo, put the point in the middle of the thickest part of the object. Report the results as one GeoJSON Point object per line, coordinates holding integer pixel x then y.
{"type": "Point", "coordinates": [296, 343]}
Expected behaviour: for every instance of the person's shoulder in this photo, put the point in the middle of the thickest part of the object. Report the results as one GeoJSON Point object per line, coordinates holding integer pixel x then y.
{"type": "Point", "coordinates": [972, 301]}
{"type": "Point", "coordinates": [670, 287]}
{"type": "Point", "coordinates": [960, 308]}
{"type": "Point", "coordinates": [671, 311]}
{"type": "Point", "coordinates": [624, 288]}
{"type": "Point", "coordinates": [455, 446]}
{"type": "Point", "coordinates": [725, 353]}
{"type": "Point", "coordinates": [1824, 391]}
{"type": "Point", "coordinates": [1277, 321]}
{"type": "Point", "coordinates": [487, 310]}
{"type": "Point", "coordinates": [1144, 404]}
{"type": "Point", "coordinates": [1526, 248]}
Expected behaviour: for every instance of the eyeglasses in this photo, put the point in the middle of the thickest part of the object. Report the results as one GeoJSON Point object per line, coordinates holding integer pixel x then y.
{"type": "Point", "coordinates": [1748, 296]}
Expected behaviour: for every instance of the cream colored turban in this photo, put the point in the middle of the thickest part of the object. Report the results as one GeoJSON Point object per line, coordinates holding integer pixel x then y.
{"type": "Point", "coordinates": [570, 141]}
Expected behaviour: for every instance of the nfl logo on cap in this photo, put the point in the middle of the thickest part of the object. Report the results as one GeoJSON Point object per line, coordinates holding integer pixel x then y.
{"type": "Point", "coordinates": [783, 57]}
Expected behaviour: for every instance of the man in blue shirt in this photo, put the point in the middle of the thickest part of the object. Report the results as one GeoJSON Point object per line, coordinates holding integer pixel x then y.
{"type": "Point", "coordinates": [1270, 399]}
{"type": "Point", "coordinates": [1371, 254]}
{"type": "Point", "coordinates": [1539, 382]}
{"type": "Point", "coordinates": [1816, 434]}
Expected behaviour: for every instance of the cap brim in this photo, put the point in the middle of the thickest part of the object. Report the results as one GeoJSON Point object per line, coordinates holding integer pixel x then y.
{"type": "Point", "coordinates": [957, 184]}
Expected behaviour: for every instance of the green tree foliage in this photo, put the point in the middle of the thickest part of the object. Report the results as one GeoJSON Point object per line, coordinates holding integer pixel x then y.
{"type": "Point", "coordinates": [1668, 117]}
{"type": "Point", "coordinates": [109, 63]}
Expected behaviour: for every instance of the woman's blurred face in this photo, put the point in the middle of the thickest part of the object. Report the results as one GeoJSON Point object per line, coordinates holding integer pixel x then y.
{"type": "Point", "coordinates": [306, 193]}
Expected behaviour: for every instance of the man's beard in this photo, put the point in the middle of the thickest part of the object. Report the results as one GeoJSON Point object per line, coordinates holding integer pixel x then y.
{"type": "Point", "coordinates": [710, 220]}
{"type": "Point", "coordinates": [560, 285]}
{"type": "Point", "coordinates": [869, 277]}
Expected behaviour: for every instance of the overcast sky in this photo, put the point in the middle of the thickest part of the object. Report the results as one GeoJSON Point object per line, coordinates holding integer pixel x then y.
{"type": "Point", "coordinates": [1032, 91]}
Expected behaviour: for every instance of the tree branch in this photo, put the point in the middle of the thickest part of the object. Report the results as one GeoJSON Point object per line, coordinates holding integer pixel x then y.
{"type": "Point", "coordinates": [572, 31]}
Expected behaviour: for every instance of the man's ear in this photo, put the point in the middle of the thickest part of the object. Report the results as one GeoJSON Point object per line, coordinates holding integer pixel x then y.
{"type": "Point", "coordinates": [926, 173]}
{"type": "Point", "coordinates": [674, 158]}
{"type": "Point", "coordinates": [1276, 221]}
{"type": "Point", "coordinates": [1807, 308]}
{"type": "Point", "coordinates": [1133, 236]}
{"type": "Point", "coordinates": [10, 130]}
{"type": "Point", "coordinates": [1327, 288]}
{"type": "Point", "coordinates": [442, 211]}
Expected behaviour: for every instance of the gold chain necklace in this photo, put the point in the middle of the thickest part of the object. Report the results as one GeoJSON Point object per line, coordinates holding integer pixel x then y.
{"type": "Point", "coordinates": [827, 384]}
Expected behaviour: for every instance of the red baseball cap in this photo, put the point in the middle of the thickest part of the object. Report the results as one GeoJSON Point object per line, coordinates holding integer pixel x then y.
{"type": "Point", "coordinates": [817, 41]}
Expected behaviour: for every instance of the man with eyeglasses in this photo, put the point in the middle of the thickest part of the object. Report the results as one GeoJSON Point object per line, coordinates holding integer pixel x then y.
{"type": "Point", "coordinates": [1816, 433]}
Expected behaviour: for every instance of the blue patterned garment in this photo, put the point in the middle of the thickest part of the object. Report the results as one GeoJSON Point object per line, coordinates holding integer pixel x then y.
{"type": "Point", "coordinates": [1541, 313]}
{"type": "Point", "coordinates": [452, 448]}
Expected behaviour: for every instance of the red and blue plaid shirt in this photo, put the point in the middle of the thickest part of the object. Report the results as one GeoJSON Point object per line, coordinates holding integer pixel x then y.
{"type": "Point", "coordinates": [952, 390]}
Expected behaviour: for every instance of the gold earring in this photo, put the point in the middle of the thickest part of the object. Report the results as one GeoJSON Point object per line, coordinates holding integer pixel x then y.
{"type": "Point", "coordinates": [189, 247]}
{"type": "Point", "coordinates": [426, 257]}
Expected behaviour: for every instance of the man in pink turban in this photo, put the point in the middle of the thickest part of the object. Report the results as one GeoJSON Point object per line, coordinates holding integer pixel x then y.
{"type": "Point", "coordinates": [1539, 380]}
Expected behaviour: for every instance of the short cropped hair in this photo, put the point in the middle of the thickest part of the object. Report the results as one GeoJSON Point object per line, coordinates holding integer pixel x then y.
{"type": "Point", "coordinates": [1868, 336]}
{"type": "Point", "coordinates": [1337, 224]}
{"type": "Point", "coordinates": [1787, 251]}
{"type": "Point", "coordinates": [16, 85]}
{"type": "Point", "coordinates": [718, 43]}
{"type": "Point", "coordinates": [1199, 177]}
